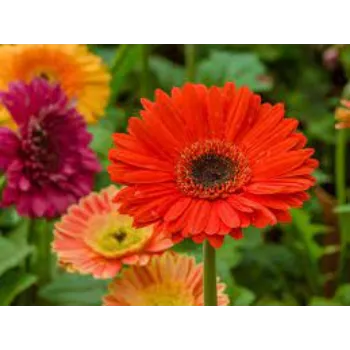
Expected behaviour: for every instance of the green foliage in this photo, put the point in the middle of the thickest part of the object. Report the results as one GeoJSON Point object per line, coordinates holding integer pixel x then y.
{"type": "Point", "coordinates": [342, 297]}
{"type": "Point", "coordinates": [345, 58]}
{"type": "Point", "coordinates": [285, 300]}
{"type": "Point", "coordinates": [8, 219]}
{"type": "Point", "coordinates": [69, 289]}
{"type": "Point", "coordinates": [14, 249]}
{"type": "Point", "coordinates": [241, 296]}
{"type": "Point", "coordinates": [344, 213]}
{"type": "Point", "coordinates": [127, 59]}
{"type": "Point", "coordinates": [307, 246]}
{"type": "Point", "coordinates": [106, 52]}
{"type": "Point", "coordinates": [14, 283]}
{"type": "Point", "coordinates": [168, 74]}
{"type": "Point", "coordinates": [187, 246]}
{"type": "Point", "coordinates": [242, 68]}
{"type": "Point", "coordinates": [267, 269]}
{"type": "Point", "coordinates": [11, 255]}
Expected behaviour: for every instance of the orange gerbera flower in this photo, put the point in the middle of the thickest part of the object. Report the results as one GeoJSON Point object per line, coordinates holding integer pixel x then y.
{"type": "Point", "coordinates": [80, 73]}
{"type": "Point", "coordinates": [94, 238]}
{"type": "Point", "coordinates": [342, 115]}
{"type": "Point", "coordinates": [206, 162]}
{"type": "Point", "coordinates": [168, 280]}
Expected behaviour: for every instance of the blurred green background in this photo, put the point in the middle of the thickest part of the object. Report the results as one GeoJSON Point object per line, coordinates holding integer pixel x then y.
{"type": "Point", "coordinates": [296, 264]}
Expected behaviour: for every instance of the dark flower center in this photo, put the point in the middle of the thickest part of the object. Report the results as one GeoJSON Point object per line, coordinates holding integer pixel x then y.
{"type": "Point", "coordinates": [40, 153]}
{"type": "Point", "coordinates": [120, 235]}
{"type": "Point", "coordinates": [44, 76]}
{"type": "Point", "coordinates": [211, 169]}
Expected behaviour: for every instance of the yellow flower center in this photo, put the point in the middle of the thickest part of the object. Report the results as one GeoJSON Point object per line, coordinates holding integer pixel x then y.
{"type": "Point", "coordinates": [114, 236]}
{"type": "Point", "coordinates": [168, 294]}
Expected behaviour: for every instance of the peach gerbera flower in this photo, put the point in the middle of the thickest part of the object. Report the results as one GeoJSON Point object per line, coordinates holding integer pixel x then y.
{"type": "Point", "coordinates": [168, 280]}
{"type": "Point", "coordinates": [80, 73]}
{"type": "Point", "coordinates": [94, 238]}
{"type": "Point", "coordinates": [342, 115]}
{"type": "Point", "coordinates": [206, 162]}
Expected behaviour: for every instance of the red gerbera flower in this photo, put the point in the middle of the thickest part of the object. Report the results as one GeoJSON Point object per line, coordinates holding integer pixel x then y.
{"type": "Point", "coordinates": [207, 162]}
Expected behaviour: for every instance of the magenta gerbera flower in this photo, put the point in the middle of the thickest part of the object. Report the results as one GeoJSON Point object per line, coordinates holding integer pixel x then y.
{"type": "Point", "coordinates": [47, 162]}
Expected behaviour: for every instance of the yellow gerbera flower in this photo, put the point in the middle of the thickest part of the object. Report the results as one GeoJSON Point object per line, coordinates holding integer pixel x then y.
{"type": "Point", "coordinates": [81, 74]}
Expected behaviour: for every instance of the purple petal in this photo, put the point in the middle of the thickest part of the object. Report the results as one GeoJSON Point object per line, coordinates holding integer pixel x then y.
{"type": "Point", "coordinates": [9, 196]}
{"type": "Point", "coordinates": [24, 184]}
{"type": "Point", "coordinates": [9, 144]}
{"type": "Point", "coordinates": [39, 204]}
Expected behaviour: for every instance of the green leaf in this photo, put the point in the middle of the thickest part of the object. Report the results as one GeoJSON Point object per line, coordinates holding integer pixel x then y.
{"type": "Point", "coordinates": [308, 232]}
{"type": "Point", "coordinates": [11, 255]}
{"type": "Point", "coordinates": [242, 296]}
{"type": "Point", "coordinates": [102, 140]}
{"type": "Point", "coordinates": [321, 177]}
{"type": "Point", "coordinates": [345, 58]}
{"type": "Point", "coordinates": [114, 120]}
{"type": "Point", "coordinates": [8, 218]}
{"type": "Point", "coordinates": [168, 74]}
{"type": "Point", "coordinates": [12, 284]}
{"type": "Point", "coordinates": [286, 300]}
{"type": "Point", "coordinates": [319, 301]}
{"type": "Point", "coordinates": [187, 246]}
{"type": "Point", "coordinates": [129, 60]}
{"type": "Point", "coordinates": [106, 52]}
{"type": "Point", "coordinates": [241, 68]}
{"type": "Point", "coordinates": [227, 256]}
{"type": "Point", "coordinates": [267, 268]}
{"type": "Point", "coordinates": [19, 235]}
{"type": "Point", "coordinates": [344, 214]}
{"type": "Point", "coordinates": [323, 130]}
{"type": "Point", "coordinates": [71, 289]}
{"type": "Point", "coordinates": [307, 245]}
{"type": "Point", "coordinates": [343, 295]}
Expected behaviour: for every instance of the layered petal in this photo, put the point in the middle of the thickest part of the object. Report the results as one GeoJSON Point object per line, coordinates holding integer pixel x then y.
{"type": "Point", "coordinates": [81, 74]}
{"type": "Point", "coordinates": [168, 280]}
{"type": "Point", "coordinates": [94, 238]}
{"type": "Point", "coordinates": [206, 162]}
{"type": "Point", "coordinates": [47, 163]}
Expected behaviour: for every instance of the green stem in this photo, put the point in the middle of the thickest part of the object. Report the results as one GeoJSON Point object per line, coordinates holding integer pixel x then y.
{"type": "Point", "coordinates": [119, 57]}
{"type": "Point", "coordinates": [340, 166]}
{"type": "Point", "coordinates": [2, 180]}
{"type": "Point", "coordinates": [145, 70]}
{"type": "Point", "coordinates": [210, 298]}
{"type": "Point", "coordinates": [190, 61]}
{"type": "Point", "coordinates": [340, 180]}
{"type": "Point", "coordinates": [41, 235]}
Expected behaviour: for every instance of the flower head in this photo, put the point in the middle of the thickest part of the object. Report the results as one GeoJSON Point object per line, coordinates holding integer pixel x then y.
{"type": "Point", "coordinates": [207, 162]}
{"type": "Point", "coordinates": [168, 280]}
{"type": "Point", "coordinates": [93, 237]}
{"type": "Point", "coordinates": [80, 73]}
{"type": "Point", "coordinates": [342, 115]}
{"type": "Point", "coordinates": [47, 162]}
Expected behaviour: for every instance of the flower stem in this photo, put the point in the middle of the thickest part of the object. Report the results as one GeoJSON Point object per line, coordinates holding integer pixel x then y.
{"type": "Point", "coordinates": [190, 61]}
{"type": "Point", "coordinates": [41, 235]}
{"type": "Point", "coordinates": [145, 70]}
{"type": "Point", "coordinates": [2, 183]}
{"type": "Point", "coordinates": [210, 298]}
{"type": "Point", "coordinates": [340, 156]}
{"type": "Point", "coordinates": [340, 180]}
